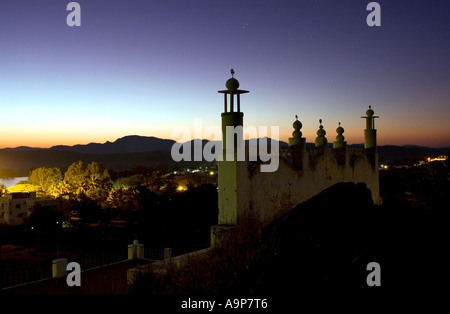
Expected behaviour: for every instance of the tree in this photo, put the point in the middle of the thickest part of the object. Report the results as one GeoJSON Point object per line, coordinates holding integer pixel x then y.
{"type": "Point", "coordinates": [97, 182]}
{"type": "Point", "coordinates": [96, 174]}
{"type": "Point", "coordinates": [87, 209]}
{"type": "Point", "coordinates": [61, 188]}
{"type": "Point", "coordinates": [121, 198]}
{"type": "Point", "coordinates": [3, 189]}
{"type": "Point", "coordinates": [132, 182]}
{"type": "Point", "coordinates": [74, 178]}
{"type": "Point", "coordinates": [45, 178]}
{"type": "Point", "coordinates": [93, 181]}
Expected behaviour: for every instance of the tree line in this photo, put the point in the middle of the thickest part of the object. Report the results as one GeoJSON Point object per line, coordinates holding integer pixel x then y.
{"type": "Point", "coordinates": [146, 199]}
{"type": "Point", "coordinates": [92, 188]}
{"type": "Point", "coordinates": [92, 181]}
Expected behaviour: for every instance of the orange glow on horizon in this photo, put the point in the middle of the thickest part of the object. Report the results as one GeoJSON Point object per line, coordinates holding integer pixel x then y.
{"type": "Point", "coordinates": [354, 134]}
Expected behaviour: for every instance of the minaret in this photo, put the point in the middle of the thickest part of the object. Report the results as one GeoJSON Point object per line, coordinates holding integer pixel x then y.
{"type": "Point", "coordinates": [370, 133]}
{"type": "Point", "coordinates": [231, 118]}
{"type": "Point", "coordinates": [232, 191]}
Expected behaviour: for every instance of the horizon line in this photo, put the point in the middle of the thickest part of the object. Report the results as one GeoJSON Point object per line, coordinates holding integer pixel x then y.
{"type": "Point", "coordinates": [169, 139]}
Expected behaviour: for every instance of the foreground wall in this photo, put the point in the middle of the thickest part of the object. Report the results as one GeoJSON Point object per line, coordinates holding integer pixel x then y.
{"type": "Point", "coordinates": [245, 191]}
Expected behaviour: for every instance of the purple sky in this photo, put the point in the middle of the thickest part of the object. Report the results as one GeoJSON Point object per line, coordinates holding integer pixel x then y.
{"type": "Point", "coordinates": [144, 67]}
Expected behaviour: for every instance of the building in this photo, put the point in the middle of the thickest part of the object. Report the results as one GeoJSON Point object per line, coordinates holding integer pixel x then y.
{"type": "Point", "coordinates": [15, 207]}
{"type": "Point", "coordinates": [248, 194]}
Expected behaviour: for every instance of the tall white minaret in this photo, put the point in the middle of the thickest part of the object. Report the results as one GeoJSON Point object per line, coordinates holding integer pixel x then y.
{"type": "Point", "coordinates": [231, 192]}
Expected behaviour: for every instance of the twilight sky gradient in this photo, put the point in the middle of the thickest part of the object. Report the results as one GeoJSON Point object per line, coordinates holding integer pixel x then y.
{"type": "Point", "coordinates": [144, 67]}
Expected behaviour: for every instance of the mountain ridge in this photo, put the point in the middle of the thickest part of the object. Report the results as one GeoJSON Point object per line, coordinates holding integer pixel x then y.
{"type": "Point", "coordinates": [135, 150]}
{"type": "Point", "coordinates": [126, 144]}
{"type": "Point", "coordinates": [138, 143]}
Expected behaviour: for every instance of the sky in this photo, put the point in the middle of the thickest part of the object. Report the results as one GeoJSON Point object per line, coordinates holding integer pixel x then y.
{"type": "Point", "coordinates": [138, 67]}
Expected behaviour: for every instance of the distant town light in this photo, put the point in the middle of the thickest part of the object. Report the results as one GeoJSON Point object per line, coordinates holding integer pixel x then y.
{"type": "Point", "coordinates": [211, 173]}
{"type": "Point", "coordinates": [439, 158]}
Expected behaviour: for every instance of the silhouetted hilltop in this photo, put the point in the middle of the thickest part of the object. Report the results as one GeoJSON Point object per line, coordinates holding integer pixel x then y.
{"type": "Point", "coordinates": [136, 144]}
{"type": "Point", "coordinates": [22, 149]}
{"type": "Point", "coordinates": [133, 144]}
{"type": "Point", "coordinates": [127, 144]}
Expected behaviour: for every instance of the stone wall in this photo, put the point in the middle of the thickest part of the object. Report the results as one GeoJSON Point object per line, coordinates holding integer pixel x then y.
{"type": "Point", "coordinates": [245, 191]}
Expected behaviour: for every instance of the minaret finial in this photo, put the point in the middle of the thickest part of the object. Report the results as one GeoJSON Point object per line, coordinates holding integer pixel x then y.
{"type": "Point", "coordinates": [296, 117]}
{"type": "Point", "coordinates": [232, 72]}
{"type": "Point", "coordinates": [320, 121]}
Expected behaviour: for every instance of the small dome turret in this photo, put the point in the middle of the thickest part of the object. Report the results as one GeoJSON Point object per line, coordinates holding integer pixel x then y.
{"type": "Point", "coordinates": [339, 131]}
{"type": "Point", "coordinates": [339, 138]}
{"type": "Point", "coordinates": [321, 140]}
{"type": "Point", "coordinates": [297, 125]}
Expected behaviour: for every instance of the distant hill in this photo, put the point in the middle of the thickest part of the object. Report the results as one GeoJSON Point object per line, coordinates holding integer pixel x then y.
{"type": "Point", "coordinates": [127, 144]}
{"type": "Point", "coordinates": [129, 151]}
{"type": "Point", "coordinates": [22, 149]}
{"type": "Point", "coordinates": [132, 144]}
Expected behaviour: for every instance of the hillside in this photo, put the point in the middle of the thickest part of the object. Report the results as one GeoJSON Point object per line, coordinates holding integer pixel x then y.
{"type": "Point", "coordinates": [127, 144]}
